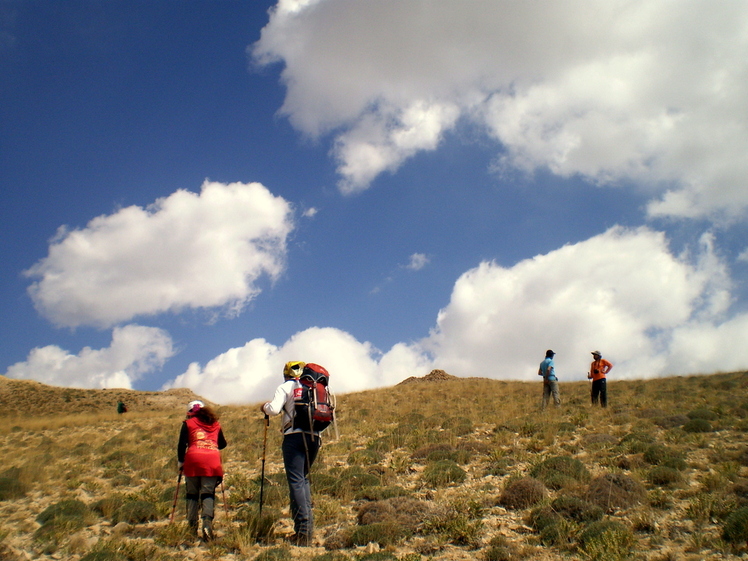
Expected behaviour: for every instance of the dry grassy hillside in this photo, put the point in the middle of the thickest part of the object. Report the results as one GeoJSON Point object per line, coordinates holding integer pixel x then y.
{"type": "Point", "coordinates": [442, 469]}
{"type": "Point", "coordinates": [29, 398]}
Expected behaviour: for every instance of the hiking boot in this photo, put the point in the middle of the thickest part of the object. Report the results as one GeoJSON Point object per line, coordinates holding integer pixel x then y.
{"type": "Point", "coordinates": [300, 540]}
{"type": "Point", "coordinates": [208, 535]}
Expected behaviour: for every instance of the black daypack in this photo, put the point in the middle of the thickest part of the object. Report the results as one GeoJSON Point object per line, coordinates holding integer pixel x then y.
{"type": "Point", "coordinates": [314, 405]}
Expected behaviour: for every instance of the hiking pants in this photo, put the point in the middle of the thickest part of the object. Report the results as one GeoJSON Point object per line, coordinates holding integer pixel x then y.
{"type": "Point", "coordinates": [550, 388]}
{"type": "Point", "coordinates": [599, 390]}
{"type": "Point", "coordinates": [201, 490]}
{"type": "Point", "coordinates": [299, 453]}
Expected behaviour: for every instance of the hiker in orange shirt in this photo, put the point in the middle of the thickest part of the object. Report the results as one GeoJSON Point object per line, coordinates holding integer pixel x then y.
{"type": "Point", "coordinates": [598, 369]}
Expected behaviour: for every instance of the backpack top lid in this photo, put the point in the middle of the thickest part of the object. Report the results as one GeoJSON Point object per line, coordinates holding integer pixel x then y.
{"type": "Point", "coordinates": [316, 373]}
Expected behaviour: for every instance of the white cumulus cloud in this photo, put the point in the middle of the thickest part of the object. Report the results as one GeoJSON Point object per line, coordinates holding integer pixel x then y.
{"type": "Point", "coordinates": [251, 373]}
{"type": "Point", "coordinates": [134, 352]}
{"type": "Point", "coordinates": [624, 292]}
{"type": "Point", "coordinates": [187, 250]}
{"type": "Point", "coordinates": [643, 90]}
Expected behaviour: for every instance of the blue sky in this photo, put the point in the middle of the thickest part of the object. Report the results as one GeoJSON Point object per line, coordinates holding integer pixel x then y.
{"type": "Point", "coordinates": [197, 192]}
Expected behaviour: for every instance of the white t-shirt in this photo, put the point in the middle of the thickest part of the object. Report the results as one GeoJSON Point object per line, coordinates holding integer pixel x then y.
{"type": "Point", "coordinates": [283, 402]}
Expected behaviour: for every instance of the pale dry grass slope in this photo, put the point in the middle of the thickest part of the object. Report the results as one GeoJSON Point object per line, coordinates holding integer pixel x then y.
{"type": "Point", "coordinates": [435, 468]}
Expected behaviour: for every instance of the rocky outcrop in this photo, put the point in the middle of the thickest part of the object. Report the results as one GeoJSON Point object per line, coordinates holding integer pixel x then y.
{"type": "Point", "coordinates": [433, 376]}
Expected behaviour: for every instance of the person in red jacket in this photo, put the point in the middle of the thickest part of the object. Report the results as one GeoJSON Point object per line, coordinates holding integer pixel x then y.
{"type": "Point", "coordinates": [199, 459]}
{"type": "Point", "coordinates": [598, 370]}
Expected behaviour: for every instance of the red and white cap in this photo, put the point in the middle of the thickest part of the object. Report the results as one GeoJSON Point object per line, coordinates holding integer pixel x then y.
{"type": "Point", "coordinates": [194, 406]}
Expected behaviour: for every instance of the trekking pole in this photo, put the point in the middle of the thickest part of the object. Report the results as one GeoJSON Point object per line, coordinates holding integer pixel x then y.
{"type": "Point", "coordinates": [335, 417]}
{"type": "Point", "coordinates": [225, 504]}
{"type": "Point", "coordinates": [176, 496]}
{"type": "Point", "coordinates": [264, 448]}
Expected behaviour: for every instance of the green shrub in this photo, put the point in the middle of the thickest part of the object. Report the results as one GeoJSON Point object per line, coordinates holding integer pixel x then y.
{"type": "Point", "coordinates": [108, 506]}
{"type": "Point", "coordinates": [424, 452]}
{"type": "Point", "coordinates": [443, 472]}
{"type": "Point", "coordinates": [414, 418]}
{"type": "Point", "coordinates": [599, 441]}
{"type": "Point", "coordinates": [404, 511]}
{"type": "Point", "coordinates": [135, 512]}
{"type": "Point", "coordinates": [657, 454]}
{"type": "Point", "coordinates": [615, 490]}
{"type": "Point", "coordinates": [705, 414]}
{"type": "Point", "coordinates": [455, 526]}
{"type": "Point", "coordinates": [636, 442]}
{"type": "Point", "coordinates": [121, 480]}
{"type": "Point", "coordinates": [458, 456]}
{"type": "Point", "coordinates": [697, 426]}
{"type": "Point", "coordinates": [69, 508]}
{"type": "Point", "coordinates": [558, 471]}
{"type": "Point", "coordinates": [660, 499]}
{"type": "Point", "coordinates": [382, 444]}
{"type": "Point", "coordinates": [559, 534]}
{"type": "Point", "coordinates": [705, 507]}
{"type": "Point", "coordinates": [497, 553]}
{"type": "Point", "coordinates": [543, 517]}
{"type": "Point", "coordinates": [735, 529]}
{"type": "Point", "coordinates": [349, 481]}
{"type": "Point", "coordinates": [576, 509]}
{"type": "Point", "coordinates": [60, 520]}
{"type": "Point", "coordinates": [675, 463]}
{"type": "Point", "coordinates": [606, 540]}
{"type": "Point", "coordinates": [365, 457]}
{"type": "Point", "coordinates": [11, 488]}
{"type": "Point", "coordinates": [460, 426]}
{"type": "Point", "coordinates": [252, 526]}
{"type": "Point", "coordinates": [523, 493]}
{"type": "Point", "coordinates": [664, 476]}
{"type": "Point", "coordinates": [382, 533]}
{"type": "Point", "coordinates": [566, 427]}
{"type": "Point", "coordinates": [499, 466]}
{"type": "Point", "coordinates": [274, 554]}
{"type": "Point", "coordinates": [672, 421]}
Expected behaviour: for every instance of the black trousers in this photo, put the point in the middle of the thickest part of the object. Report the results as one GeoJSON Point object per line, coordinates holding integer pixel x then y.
{"type": "Point", "coordinates": [599, 390]}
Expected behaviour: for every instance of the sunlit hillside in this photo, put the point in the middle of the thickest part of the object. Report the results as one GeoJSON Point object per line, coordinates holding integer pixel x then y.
{"type": "Point", "coordinates": [435, 468]}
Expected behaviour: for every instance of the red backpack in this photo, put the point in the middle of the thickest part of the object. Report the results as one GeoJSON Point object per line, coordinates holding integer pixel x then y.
{"type": "Point", "coordinates": [314, 404]}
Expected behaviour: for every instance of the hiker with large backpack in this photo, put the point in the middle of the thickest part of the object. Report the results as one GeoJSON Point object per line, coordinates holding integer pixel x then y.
{"type": "Point", "coordinates": [199, 458]}
{"type": "Point", "coordinates": [306, 408]}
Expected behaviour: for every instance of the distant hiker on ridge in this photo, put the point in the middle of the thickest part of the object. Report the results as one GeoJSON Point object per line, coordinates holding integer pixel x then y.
{"type": "Point", "coordinates": [598, 370]}
{"type": "Point", "coordinates": [550, 382]}
{"type": "Point", "coordinates": [199, 458]}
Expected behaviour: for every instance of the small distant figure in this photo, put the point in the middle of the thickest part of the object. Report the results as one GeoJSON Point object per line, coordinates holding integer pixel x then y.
{"type": "Point", "coordinates": [550, 382]}
{"type": "Point", "coordinates": [121, 407]}
{"type": "Point", "coordinates": [198, 457]}
{"type": "Point", "coordinates": [598, 370]}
